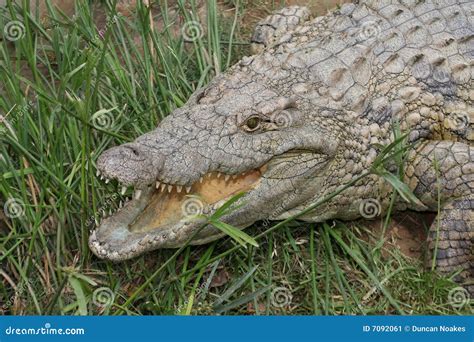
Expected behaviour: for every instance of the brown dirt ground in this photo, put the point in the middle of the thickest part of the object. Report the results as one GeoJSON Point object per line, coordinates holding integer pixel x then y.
{"type": "Point", "coordinates": [406, 231]}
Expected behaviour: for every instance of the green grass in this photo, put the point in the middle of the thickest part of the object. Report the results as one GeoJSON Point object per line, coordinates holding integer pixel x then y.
{"type": "Point", "coordinates": [69, 95]}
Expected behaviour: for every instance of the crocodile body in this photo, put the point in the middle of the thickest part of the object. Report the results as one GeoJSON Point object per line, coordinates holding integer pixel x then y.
{"type": "Point", "coordinates": [306, 115]}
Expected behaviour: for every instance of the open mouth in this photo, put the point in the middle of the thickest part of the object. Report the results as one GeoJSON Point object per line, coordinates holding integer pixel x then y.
{"type": "Point", "coordinates": [163, 215]}
{"type": "Point", "coordinates": [169, 205]}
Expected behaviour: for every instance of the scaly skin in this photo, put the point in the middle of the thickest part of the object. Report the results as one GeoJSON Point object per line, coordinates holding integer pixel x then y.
{"type": "Point", "coordinates": [308, 114]}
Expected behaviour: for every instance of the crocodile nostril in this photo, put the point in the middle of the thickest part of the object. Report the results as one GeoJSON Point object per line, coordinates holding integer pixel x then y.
{"type": "Point", "coordinates": [133, 149]}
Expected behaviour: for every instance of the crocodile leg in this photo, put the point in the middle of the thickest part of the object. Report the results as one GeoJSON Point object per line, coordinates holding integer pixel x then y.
{"type": "Point", "coordinates": [274, 26]}
{"type": "Point", "coordinates": [444, 171]}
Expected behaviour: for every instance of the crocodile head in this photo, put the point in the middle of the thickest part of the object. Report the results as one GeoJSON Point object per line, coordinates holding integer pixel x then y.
{"type": "Point", "coordinates": [245, 132]}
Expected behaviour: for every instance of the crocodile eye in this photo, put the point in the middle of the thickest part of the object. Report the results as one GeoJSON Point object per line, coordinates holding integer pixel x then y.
{"type": "Point", "coordinates": [252, 123]}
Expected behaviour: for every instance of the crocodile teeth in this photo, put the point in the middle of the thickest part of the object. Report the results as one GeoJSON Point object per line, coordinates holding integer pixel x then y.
{"type": "Point", "coordinates": [170, 187]}
{"type": "Point", "coordinates": [138, 194]}
{"type": "Point", "coordinates": [102, 178]}
{"type": "Point", "coordinates": [163, 187]}
{"type": "Point", "coordinates": [234, 176]}
{"type": "Point", "coordinates": [226, 178]}
{"type": "Point", "coordinates": [200, 180]}
{"type": "Point", "coordinates": [188, 189]}
{"type": "Point", "coordinates": [97, 174]}
{"type": "Point", "coordinates": [124, 190]}
{"type": "Point", "coordinates": [107, 181]}
{"type": "Point", "coordinates": [219, 175]}
{"type": "Point", "coordinates": [120, 204]}
{"type": "Point", "coordinates": [157, 185]}
{"type": "Point", "coordinates": [179, 187]}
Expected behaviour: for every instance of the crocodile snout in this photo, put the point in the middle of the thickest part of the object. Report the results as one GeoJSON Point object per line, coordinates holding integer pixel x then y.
{"type": "Point", "coordinates": [130, 164]}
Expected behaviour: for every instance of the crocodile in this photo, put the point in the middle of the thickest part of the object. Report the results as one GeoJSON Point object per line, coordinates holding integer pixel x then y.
{"type": "Point", "coordinates": [307, 113]}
